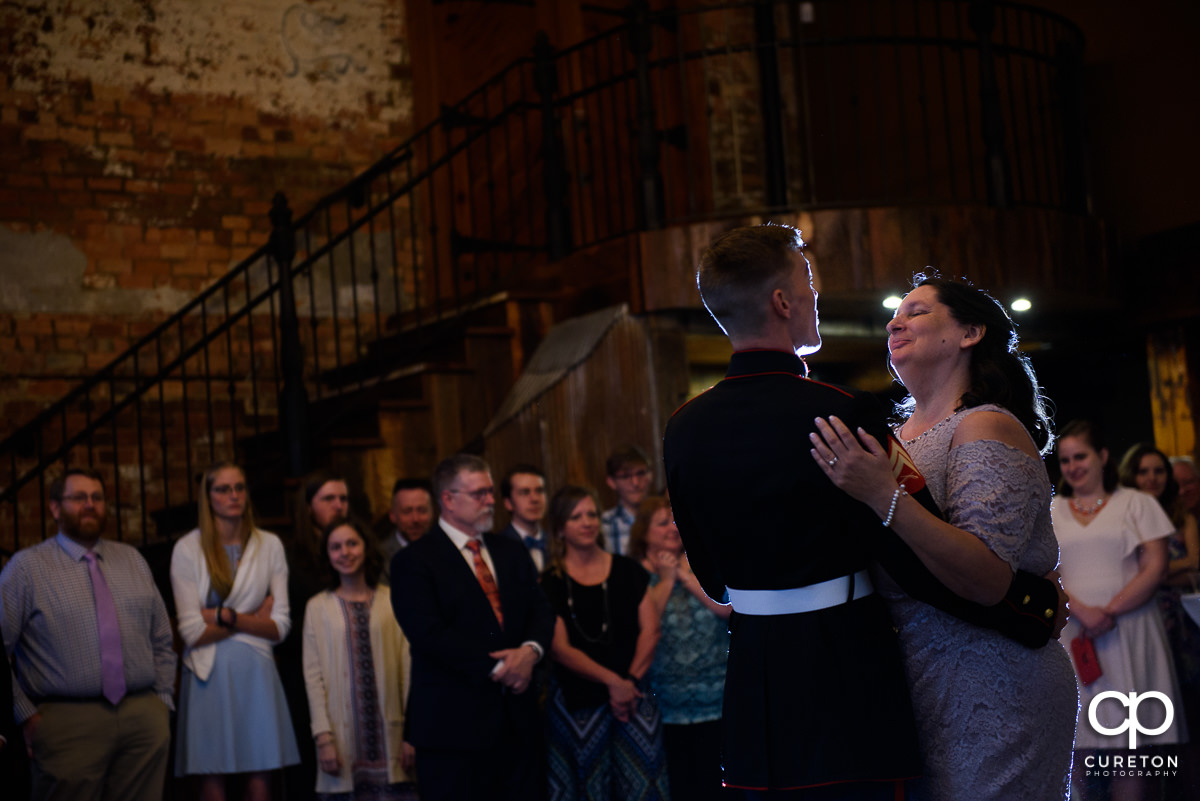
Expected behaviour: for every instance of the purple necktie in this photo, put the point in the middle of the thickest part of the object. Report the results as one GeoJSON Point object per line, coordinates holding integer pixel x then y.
{"type": "Point", "coordinates": [112, 667]}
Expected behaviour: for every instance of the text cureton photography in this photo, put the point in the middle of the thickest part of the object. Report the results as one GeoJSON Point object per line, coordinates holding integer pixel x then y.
{"type": "Point", "coordinates": [1131, 764]}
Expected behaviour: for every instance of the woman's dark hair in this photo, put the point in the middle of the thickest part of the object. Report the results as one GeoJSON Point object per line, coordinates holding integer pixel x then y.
{"type": "Point", "coordinates": [1090, 433]}
{"type": "Point", "coordinates": [1000, 373]}
{"type": "Point", "coordinates": [1127, 474]}
{"type": "Point", "coordinates": [561, 506]}
{"type": "Point", "coordinates": [372, 558]}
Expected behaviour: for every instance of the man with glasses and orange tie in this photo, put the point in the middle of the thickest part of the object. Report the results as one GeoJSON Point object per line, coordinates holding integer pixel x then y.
{"type": "Point", "coordinates": [477, 622]}
{"type": "Point", "coordinates": [629, 475]}
{"type": "Point", "coordinates": [89, 640]}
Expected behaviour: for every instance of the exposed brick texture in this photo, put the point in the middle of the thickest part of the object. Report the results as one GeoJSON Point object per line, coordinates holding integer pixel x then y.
{"type": "Point", "coordinates": [159, 166]}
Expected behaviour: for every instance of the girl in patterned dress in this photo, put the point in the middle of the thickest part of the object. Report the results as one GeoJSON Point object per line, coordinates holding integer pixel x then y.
{"type": "Point", "coordinates": [356, 668]}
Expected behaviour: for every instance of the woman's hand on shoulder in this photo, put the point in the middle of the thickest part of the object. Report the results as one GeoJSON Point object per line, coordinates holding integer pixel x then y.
{"type": "Point", "coordinates": [996, 426]}
{"type": "Point", "coordinates": [854, 461]}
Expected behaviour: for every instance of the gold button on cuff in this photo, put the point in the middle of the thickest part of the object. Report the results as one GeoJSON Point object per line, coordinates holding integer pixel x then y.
{"type": "Point", "coordinates": [1026, 601]}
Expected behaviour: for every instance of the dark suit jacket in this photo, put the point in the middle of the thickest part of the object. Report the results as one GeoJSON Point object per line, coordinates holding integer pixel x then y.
{"type": "Point", "coordinates": [510, 531]}
{"type": "Point", "coordinates": [453, 702]}
{"type": "Point", "coordinates": [810, 698]}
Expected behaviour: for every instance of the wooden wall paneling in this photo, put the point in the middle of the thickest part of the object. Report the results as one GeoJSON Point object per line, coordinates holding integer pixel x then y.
{"type": "Point", "coordinates": [614, 398]}
{"type": "Point", "coordinates": [489, 357]}
{"type": "Point", "coordinates": [669, 370]}
{"type": "Point", "coordinates": [443, 392]}
{"type": "Point", "coordinates": [408, 429]}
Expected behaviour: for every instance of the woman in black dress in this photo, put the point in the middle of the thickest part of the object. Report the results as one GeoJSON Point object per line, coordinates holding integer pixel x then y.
{"type": "Point", "coordinates": [605, 734]}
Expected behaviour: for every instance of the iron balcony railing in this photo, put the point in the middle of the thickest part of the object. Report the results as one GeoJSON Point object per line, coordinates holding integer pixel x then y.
{"type": "Point", "coordinates": [670, 117]}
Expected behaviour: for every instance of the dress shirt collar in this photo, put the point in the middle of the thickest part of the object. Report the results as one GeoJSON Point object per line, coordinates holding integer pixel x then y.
{"type": "Point", "coordinates": [402, 540]}
{"type": "Point", "coordinates": [458, 536]}
{"type": "Point", "coordinates": [750, 362]}
{"type": "Point", "coordinates": [523, 532]}
{"type": "Point", "coordinates": [76, 550]}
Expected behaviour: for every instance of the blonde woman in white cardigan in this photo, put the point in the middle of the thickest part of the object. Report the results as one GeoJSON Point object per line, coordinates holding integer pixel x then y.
{"type": "Point", "coordinates": [356, 668]}
{"type": "Point", "coordinates": [230, 585]}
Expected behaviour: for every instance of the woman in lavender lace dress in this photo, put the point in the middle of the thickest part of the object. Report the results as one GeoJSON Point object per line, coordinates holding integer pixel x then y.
{"type": "Point", "coordinates": [996, 720]}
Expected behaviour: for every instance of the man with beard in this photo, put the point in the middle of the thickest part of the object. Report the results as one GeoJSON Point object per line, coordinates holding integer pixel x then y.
{"type": "Point", "coordinates": [88, 636]}
{"type": "Point", "coordinates": [477, 621]}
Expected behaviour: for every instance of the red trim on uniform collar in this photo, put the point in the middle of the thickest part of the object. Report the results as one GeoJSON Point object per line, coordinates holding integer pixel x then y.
{"type": "Point", "coordinates": [790, 375]}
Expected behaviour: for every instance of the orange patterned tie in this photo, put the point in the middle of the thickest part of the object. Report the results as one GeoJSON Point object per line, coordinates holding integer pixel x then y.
{"type": "Point", "coordinates": [486, 580]}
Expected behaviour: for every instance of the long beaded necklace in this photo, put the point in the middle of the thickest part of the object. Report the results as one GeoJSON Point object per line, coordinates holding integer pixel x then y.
{"type": "Point", "coordinates": [603, 636]}
{"type": "Point", "coordinates": [930, 430]}
{"type": "Point", "coordinates": [1088, 511]}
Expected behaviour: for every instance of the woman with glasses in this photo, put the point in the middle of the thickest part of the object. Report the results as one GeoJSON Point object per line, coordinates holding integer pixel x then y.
{"type": "Point", "coordinates": [230, 585]}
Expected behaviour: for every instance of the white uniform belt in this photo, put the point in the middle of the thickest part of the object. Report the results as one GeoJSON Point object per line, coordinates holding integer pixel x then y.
{"type": "Point", "coordinates": [800, 599]}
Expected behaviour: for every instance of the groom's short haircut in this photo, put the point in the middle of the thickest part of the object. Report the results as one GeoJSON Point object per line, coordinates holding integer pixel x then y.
{"type": "Point", "coordinates": [740, 269]}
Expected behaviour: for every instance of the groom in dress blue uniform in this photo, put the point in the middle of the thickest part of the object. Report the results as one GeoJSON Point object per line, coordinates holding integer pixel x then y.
{"type": "Point", "coordinates": [477, 621]}
{"type": "Point", "coordinates": [816, 705]}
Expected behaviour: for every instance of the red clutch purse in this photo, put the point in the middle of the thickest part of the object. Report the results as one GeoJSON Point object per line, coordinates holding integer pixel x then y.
{"type": "Point", "coordinates": [1087, 667]}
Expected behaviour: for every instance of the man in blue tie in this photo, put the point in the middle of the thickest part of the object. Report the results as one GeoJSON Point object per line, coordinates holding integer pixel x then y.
{"type": "Point", "coordinates": [523, 490]}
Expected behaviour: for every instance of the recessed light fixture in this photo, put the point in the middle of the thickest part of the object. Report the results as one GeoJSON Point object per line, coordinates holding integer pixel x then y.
{"type": "Point", "coordinates": [1021, 305]}
{"type": "Point", "coordinates": [892, 302]}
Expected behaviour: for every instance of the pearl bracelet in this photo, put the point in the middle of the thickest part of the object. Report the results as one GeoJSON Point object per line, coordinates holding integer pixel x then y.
{"type": "Point", "coordinates": [887, 521]}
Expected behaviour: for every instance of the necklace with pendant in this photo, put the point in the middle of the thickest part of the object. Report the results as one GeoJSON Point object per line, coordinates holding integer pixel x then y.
{"type": "Point", "coordinates": [603, 635]}
{"type": "Point", "coordinates": [1088, 511]}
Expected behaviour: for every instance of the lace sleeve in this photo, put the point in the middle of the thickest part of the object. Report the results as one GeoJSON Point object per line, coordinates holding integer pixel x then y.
{"type": "Point", "coordinates": [997, 493]}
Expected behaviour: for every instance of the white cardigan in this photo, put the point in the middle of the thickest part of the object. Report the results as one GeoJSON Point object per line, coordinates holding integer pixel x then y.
{"type": "Point", "coordinates": [263, 568]}
{"type": "Point", "coordinates": [329, 683]}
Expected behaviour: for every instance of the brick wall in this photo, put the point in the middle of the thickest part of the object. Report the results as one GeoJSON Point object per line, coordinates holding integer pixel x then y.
{"type": "Point", "coordinates": [140, 147]}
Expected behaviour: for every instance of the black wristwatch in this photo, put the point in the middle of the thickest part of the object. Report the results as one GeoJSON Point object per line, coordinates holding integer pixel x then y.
{"type": "Point", "coordinates": [232, 616]}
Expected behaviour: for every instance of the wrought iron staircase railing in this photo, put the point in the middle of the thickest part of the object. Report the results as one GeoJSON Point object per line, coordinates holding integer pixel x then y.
{"type": "Point", "coordinates": [670, 117]}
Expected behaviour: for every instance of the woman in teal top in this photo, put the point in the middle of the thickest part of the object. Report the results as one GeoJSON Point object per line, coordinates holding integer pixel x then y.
{"type": "Point", "coordinates": [688, 672]}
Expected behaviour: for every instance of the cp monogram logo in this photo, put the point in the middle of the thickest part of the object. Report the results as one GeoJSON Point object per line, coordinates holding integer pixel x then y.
{"type": "Point", "coordinates": [1131, 722]}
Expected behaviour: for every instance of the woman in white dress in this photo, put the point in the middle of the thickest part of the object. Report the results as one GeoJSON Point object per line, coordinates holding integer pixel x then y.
{"type": "Point", "coordinates": [1114, 555]}
{"type": "Point", "coordinates": [230, 584]}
